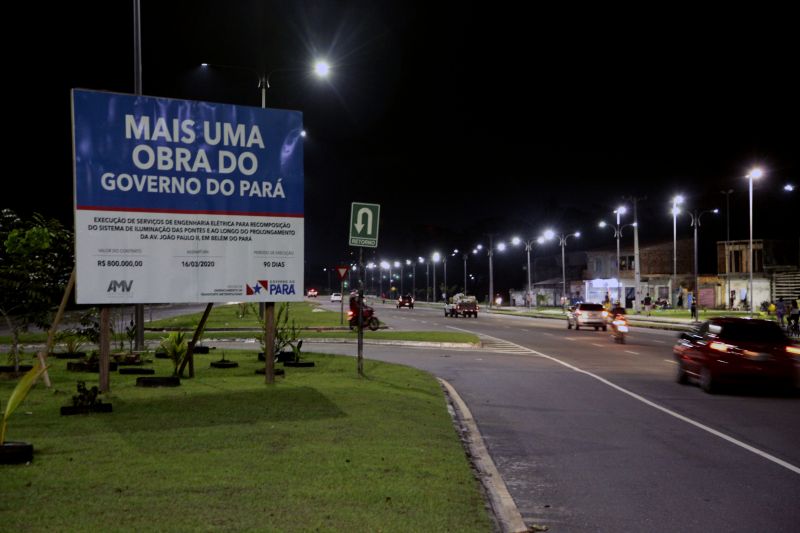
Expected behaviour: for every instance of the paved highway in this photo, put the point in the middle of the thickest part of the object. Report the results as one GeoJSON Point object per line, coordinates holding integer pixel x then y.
{"type": "Point", "coordinates": [590, 435]}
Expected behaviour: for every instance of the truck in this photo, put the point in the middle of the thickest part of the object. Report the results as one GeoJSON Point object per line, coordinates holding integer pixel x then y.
{"type": "Point", "coordinates": [461, 305]}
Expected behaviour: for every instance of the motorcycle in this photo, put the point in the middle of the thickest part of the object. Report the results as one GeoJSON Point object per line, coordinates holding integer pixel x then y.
{"type": "Point", "coordinates": [619, 328]}
{"type": "Point", "coordinates": [369, 319]}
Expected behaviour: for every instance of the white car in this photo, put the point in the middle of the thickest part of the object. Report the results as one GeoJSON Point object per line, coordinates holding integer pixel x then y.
{"type": "Point", "coordinates": [336, 297]}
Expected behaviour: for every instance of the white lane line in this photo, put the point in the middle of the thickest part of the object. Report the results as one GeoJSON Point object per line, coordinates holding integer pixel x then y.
{"type": "Point", "coordinates": [634, 353]}
{"type": "Point", "coordinates": [595, 344]}
{"type": "Point", "coordinates": [545, 333]}
{"type": "Point", "coordinates": [671, 361]}
{"type": "Point", "coordinates": [570, 338]}
{"type": "Point", "coordinates": [670, 412]}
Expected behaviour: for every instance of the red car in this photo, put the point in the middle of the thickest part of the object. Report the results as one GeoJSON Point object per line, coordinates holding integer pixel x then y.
{"type": "Point", "coordinates": [728, 349]}
{"type": "Point", "coordinates": [405, 301]}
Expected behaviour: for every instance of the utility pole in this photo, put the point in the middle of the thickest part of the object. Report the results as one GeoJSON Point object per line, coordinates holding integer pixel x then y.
{"type": "Point", "coordinates": [637, 267]}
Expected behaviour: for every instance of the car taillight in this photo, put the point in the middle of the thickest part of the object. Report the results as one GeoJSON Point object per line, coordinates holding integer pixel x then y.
{"type": "Point", "coordinates": [794, 350]}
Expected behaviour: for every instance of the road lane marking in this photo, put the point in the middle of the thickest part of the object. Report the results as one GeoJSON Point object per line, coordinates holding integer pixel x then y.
{"type": "Point", "coordinates": [634, 353]}
{"type": "Point", "coordinates": [595, 344]}
{"type": "Point", "coordinates": [670, 412]}
{"type": "Point", "coordinates": [671, 361]}
{"type": "Point", "coordinates": [570, 338]}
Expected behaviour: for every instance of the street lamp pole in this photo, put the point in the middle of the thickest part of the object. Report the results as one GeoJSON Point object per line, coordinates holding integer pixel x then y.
{"type": "Point", "coordinates": [491, 271]}
{"type": "Point", "coordinates": [727, 194]}
{"type": "Point", "coordinates": [754, 174]}
{"type": "Point", "coordinates": [528, 247]}
{"type": "Point", "coordinates": [696, 224]}
{"type": "Point", "coordinates": [435, 257]}
{"type": "Point", "coordinates": [675, 210]}
{"type": "Point", "coordinates": [562, 239]}
{"type": "Point", "coordinates": [465, 255]}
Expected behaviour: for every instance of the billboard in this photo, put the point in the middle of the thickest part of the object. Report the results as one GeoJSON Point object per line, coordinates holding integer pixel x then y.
{"type": "Point", "coordinates": [185, 201]}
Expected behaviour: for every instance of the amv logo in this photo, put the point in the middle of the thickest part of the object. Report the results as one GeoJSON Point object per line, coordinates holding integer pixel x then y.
{"type": "Point", "coordinates": [123, 286]}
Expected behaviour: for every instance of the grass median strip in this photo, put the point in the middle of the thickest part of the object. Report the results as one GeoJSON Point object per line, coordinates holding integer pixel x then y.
{"type": "Point", "coordinates": [322, 449]}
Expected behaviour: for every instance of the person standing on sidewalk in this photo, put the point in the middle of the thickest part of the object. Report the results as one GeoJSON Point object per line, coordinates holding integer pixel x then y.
{"type": "Point", "coordinates": [648, 303]}
{"type": "Point", "coordinates": [780, 310]}
{"type": "Point", "coordinates": [693, 307]}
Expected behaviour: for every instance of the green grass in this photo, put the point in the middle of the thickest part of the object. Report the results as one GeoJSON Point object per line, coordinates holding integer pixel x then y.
{"type": "Point", "coordinates": [320, 450]}
{"type": "Point", "coordinates": [227, 316]}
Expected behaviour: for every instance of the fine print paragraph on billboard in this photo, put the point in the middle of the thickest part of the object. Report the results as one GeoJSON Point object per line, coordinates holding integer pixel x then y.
{"type": "Point", "coordinates": [183, 201]}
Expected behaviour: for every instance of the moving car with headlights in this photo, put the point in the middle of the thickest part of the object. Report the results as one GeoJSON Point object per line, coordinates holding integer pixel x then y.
{"type": "Point", "coordinates": [312, 293]}
{"type": "Point", "coordinates": [405, 301]}
{"type": "Point", "coordinates": [585, 314]}
{"type": "Point", "coordinates": [728, 349]}
{"type": "Point", "coordinates": [462, 305]}
{"type": "Point", "coordinates": [336, 297]}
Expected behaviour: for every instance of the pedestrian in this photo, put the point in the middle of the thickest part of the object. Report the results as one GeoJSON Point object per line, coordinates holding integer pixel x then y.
{"type": "Point", "coordinates": [689, 299]}
{"type": "Point", "coordinates": [780, 310]}
{"type": "Point", "coordinates": [794, 317]}
{"type": "Point", "coordinates": [648, 302]}
{"type": "Point", "coordinates": [693, 307]}
{"type": "Point", "coordinates": [680, 299]}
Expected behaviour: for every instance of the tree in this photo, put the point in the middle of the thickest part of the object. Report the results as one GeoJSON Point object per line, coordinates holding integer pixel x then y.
{"type": "Point", "coordinates": [35, 264]}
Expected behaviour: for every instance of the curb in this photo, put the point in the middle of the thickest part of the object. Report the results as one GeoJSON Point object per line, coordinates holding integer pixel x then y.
{"type": "Point", "coordinates": [502, 504]}
{"type": "Point", "coordinates": [425, 344]}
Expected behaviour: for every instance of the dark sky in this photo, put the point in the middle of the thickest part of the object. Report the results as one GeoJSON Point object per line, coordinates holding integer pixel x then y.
{"type": "Point", "coordinates": [458, 118]}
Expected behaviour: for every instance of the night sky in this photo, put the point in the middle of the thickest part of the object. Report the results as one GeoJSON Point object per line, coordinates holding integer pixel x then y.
{"type": "Point", "coordinates": [460, 119]}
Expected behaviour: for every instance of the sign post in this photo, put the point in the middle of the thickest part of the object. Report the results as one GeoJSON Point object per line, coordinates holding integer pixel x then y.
{"type": "Point", "coordinates": [364, 221]}
{"type": "Point", "coordinates": [341, 271]}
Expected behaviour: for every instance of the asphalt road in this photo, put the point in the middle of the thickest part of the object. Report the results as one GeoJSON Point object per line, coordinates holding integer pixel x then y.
{"type": "Point", "coordinates": [590, 435]}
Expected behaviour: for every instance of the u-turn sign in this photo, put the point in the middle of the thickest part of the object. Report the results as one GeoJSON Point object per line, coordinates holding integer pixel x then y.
{"type": "Point", "coordinates": [364, 224]}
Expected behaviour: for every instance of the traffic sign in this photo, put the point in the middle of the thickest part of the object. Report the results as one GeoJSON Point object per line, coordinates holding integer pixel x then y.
{"type": "Point", "coordinates": [364, 224]}
{"type": "Point", "coordinates": [342, 272]}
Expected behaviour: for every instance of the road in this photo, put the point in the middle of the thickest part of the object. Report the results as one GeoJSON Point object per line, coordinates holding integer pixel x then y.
{"type": "Point", "coordinates": [594, 436]}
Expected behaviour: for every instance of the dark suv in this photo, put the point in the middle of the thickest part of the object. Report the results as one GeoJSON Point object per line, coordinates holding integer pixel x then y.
{"type": "Point", "coordinates": [405, 301]}
{"type": "Point", "coordinates": [584, 314]}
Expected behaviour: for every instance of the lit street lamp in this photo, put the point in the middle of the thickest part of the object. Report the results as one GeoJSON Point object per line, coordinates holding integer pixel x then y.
{"type": "Point", "coordinates": [516, 241]}
{"type": "Point", "coordinates": [435, 257]}
{"type": "Point", "coordinates": [562, 240]}
{"type": "Point", "coordinates": [727, 194]}
{"type": "Point", "coordinates": [675, 210]}
{"type": "Point", "coordinates": [696, 224]}
{"type": "Point", "coordinates": [754, 175]}
{"type": "Point", "coordinates": [621, 210]}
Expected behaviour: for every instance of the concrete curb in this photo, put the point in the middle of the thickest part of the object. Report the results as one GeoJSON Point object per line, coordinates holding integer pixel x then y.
{"type": "Point", "coordinates": [425, 344]}
{"type": "Point", "coordinates": [505, 510]}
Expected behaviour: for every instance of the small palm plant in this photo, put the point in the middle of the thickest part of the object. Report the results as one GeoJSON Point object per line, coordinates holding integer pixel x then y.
{"type": "Point", "coordinates": [18, 394]}
{"type": "Point", "coordinates": [175, 346]}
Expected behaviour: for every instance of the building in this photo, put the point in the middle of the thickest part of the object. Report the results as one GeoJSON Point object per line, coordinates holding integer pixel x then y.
{"type": "Point", "coordinates": [776, 271]}
{"type": "Point", "coordinates": [656, 272]}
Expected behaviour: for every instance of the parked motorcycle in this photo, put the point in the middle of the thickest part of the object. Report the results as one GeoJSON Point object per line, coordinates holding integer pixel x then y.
{"type": "Point", "coordinates": [619, 328]}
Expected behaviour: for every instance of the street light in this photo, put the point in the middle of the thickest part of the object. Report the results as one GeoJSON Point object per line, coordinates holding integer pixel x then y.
{"type": "Point", "coordinates": [675, 210]}
{"type": "Point", "coordinates": [422, 260]}
{"type": "Point", "coordinates": [696, 224]}
{"type": "Point", "coordinates": [398, 264]}
{"type": "Point", "coordinates": [621, 210]}
{"type": "Point", "coordinates": [516, 241]}
{"type": "Point", "coordinates": [727, 194]}
{"type": "Point", "coordinates": [562, 240]}
{"type": "Point", "coordinates": [753, 175]}
{"type": "Point", "coordinates": [435, 258]}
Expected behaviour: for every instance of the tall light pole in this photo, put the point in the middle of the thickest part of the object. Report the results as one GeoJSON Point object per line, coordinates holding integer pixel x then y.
{"type": "Point", "coordinates": [754, 175]}
{"type": "Point", "coordinates": [621, 210]}
{"type": "Point", "coordinates": [476, 251]}
{"type": "Point", "coordinates": [465, 255]}
{"type": "Point", "coordinates": [696, 224]}
{"type": "Point", "coordinates": [413, 266]}
{"type": "Point", "coordinates": [422, 260]}
{"type": "Point", "coordinates": [399, 264]}
{"type": "Point", "coordinates": [562, 240]}
{"type": "Point", "coordinates": [678, 200]}
{"type": "Point", "coordinates": [516, 241]}
{"type": "Point", "coordinates": [435, 258]}
{"type": "Point", "coordinates": [727, 194]}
